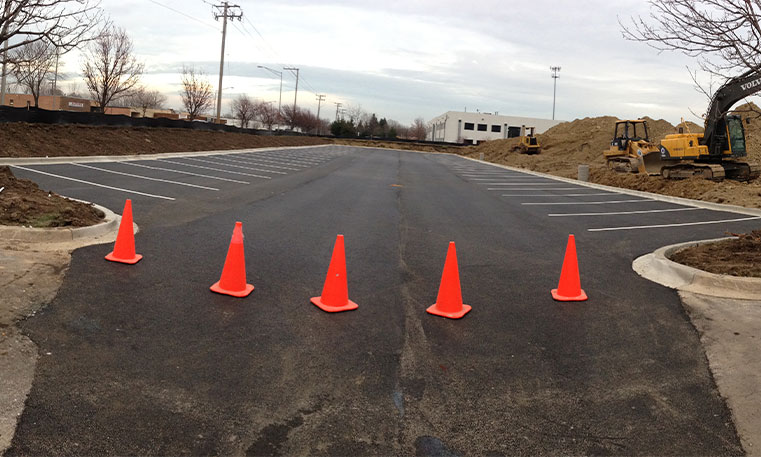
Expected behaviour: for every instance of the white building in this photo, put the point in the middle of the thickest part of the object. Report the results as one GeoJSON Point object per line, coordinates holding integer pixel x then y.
{"type": "Point", "coordinates": [473, 128]}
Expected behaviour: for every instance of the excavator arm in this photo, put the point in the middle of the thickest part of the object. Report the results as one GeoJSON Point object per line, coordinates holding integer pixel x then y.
{"type": "Point", "coordinates": [725, 97]}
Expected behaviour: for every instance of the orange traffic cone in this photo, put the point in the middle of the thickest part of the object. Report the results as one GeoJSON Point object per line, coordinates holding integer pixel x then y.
{"type": "Point", "coordinates": [449, 301]}
{"type": "Point", "coordinates": [124, 247]}
{"type": "Point", "coordinates": [233, 280]}
{"type": "Point", "coordinates": [569, 288]}
{"type": "Point", "coordinates": [335, 292]}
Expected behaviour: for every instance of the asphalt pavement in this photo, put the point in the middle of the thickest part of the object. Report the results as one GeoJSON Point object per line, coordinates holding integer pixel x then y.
{"type": "Point", "coordinates": [145, 360]}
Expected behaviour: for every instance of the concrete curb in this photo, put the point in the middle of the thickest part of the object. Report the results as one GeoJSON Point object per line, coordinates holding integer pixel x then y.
{"type": "Point", "coordinates": [636, 193]}
{"type": "Point", "coordinates": [62, 234]}
{"type": "Point", "coordinates": [127, 158]}
{"type": "Point", "coordinates": [657, 267]}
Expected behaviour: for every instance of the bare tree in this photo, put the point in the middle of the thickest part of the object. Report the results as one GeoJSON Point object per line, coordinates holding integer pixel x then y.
{"type": "Point", "coordinates": [417, 130]}
{"type": "Point", "coordinates": [145, 99]}
{"type": "Point", "coordinates": [73, 90]}
{"type": "Point", "coordinates": [243, 110]}
{"type": "Point", "coordinates": [265, 113]}
{"type": "Point", "coordinates": [111, 69]}
{"type": "Point", "coordinates": [196, 92]}
{"type": "Point", "coordinates": [64, 24]}
{"type": "Point", "coordinates": [354, 112]}
{"type": "Point", "coordinates": [33, 63]}
{"type": "Point", "coordinates": [723, 35]}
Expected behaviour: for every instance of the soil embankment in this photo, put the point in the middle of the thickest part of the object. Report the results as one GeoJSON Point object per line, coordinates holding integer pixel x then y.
{"type": "Point", "coordinates": [52, 140]}
{"type": "Point", "coordinates": [22, 202]}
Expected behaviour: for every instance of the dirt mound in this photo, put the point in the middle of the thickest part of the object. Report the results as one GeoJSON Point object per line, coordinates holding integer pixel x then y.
{"type": "Point", "coordinates": [567, 145]}
{"type": "Point", "coordinates": [41, 140]}
{"type": "Point", "coordinates": [22, 202]}
{"type": "Point", "coordinates": [737, 257]}
{"type": "Point", "coordinates": [728, 192]}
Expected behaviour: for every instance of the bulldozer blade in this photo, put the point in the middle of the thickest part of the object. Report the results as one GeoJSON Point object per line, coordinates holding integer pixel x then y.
{"type": "Point", "coordinates": [651, 163]}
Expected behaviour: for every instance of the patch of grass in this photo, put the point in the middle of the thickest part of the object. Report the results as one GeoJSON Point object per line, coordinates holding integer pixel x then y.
{"type": "Point", "coordinates": [45, 220]}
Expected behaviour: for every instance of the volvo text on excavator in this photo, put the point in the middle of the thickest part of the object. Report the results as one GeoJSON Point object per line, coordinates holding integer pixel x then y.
{"type": "Point", "coordinates": [715, 154]}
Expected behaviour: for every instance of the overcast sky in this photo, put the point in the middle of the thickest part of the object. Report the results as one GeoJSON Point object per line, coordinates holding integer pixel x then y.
{"type": "Point", "coordinates": [405, 59]}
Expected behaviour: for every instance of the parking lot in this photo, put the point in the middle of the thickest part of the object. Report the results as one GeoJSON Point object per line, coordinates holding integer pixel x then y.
{"type": "Point", "coordinates": [145, 360]}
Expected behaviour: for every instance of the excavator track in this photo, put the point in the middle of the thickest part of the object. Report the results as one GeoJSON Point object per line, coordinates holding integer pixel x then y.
{"type": "Point", "coordinates": [712, 171]}
{"type": "Point", "coordinates": [741, 171]}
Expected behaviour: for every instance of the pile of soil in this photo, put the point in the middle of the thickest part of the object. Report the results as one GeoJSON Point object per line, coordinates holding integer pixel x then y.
{"type": "Point", "coordinates": [582, 141]}
{"type": "Point", "coordinates": [738, 257]}
{"type": "Point", "coordinates": [42, 140]}
{"type": "Point", "coordinates": [567, 145]}
{"type": "Point", "coordinates": [22, 202]}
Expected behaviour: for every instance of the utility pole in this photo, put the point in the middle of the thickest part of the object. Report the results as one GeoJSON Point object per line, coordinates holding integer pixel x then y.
{"type": "Point", "coordinates": [297, 91]}
{"type": "Point", "coordinates": [279, 73]}
{"type": "Point", "coordinates": [320, 99]}
{"type": "Point", "coordinates": [5, 57]}
{"type": "Point", "coordinates": [55, 77]}
{"type": "Point", "coordinates": [227, 11]}
{"type": "Point", "coordinates": [338, 107]}
{"type": "Point", "coordinates": [555, 77]}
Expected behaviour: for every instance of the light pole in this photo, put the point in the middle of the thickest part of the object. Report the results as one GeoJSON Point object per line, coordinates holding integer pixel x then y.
{"type": "Point", "coordinates": [555, 77]}
{"type": "Point", "coordinates": [279, 73]}
{"type": "Point", "coordinates": [297, 90]}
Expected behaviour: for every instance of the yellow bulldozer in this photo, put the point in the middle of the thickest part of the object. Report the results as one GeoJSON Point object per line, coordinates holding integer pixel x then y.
{"type": "Point", "coordinates": [528, 143]}
{"type": "Point", "coordinates": [715, 154]}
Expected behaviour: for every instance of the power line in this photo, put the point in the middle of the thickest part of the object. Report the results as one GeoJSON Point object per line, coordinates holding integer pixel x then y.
{"type": "Point", "coordinates": [183, 14]}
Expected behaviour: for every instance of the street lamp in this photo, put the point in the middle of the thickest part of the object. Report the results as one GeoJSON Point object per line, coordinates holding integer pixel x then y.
{"type": "Point", "coordinates": [555, 77]}
{"type": "Point", "coordinates": [279, 73]}
{"type": "Point", "coordinates": [296, 94]}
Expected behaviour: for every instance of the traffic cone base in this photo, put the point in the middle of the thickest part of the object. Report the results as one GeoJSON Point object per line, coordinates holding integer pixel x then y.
{"type": "Point", "coordinates": [433, 309]}
{"type": "Point", "coordinates": [130, 261]}
{"type": "Point", "coordinates": [558, 297]}
{"type": "Point", "coordinates": [235, 293]}
{"type": "Point", "coordinates": [317, 301]}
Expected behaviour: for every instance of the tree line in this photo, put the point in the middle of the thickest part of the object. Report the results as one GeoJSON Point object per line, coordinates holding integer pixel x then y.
{"type": "Point", "coordinates": [40, 32]}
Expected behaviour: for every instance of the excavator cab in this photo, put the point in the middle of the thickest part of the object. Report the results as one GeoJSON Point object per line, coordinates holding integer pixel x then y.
{"type": "Point", "coordinates": [735, 136]}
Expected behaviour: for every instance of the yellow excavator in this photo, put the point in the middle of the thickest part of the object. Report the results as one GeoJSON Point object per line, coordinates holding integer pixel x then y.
{"type": "Point", "coordinates": [528, 143]}
{"type": "Point", "coordinates": [715, 154]}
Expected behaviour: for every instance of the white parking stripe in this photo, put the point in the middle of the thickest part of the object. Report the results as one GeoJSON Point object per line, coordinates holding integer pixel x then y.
{"type": "Point", "coordinates": [256, 162]}
{"type": "Point", "coordinates": [594, 203]}
{"type": "Point", "coordinates": [234, 166]}
{"type": "Point", "coordinates": [537, 189]}
{"type": "Point", "coordinates": [617, 213]}
{"type": "Point", "coordinates": [555, 195]}
{"type": "Point", "coordinates": [509, 177]}
{"type": "Point", "coordinates": [129, 191]}
{"type": "Point", "coordinates": [246, 162]}
{"type": "Point", "coordinates": [286, 161]}
{"type": "Point", "coordinates": [637, 227]}
{"type": "Point", "coordinates": [213, 169]}
{"type": "Point", "coordinates": [517, 183]}
{"type": "Point", "coordinates": [106, 170]}
{"type": "Point", "coordinates": [183, 172]}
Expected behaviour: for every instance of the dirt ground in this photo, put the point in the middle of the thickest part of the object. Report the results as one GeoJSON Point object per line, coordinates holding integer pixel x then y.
{"type": "Point", "coordinates": [43, 140]}
{"type": "Point", "coordinates": [737, 257]}
{"type": "Point", "coordinates": [22, 202]}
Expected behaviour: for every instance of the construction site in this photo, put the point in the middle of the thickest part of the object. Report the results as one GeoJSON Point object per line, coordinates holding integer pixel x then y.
{"type": "Point", "coordinates": [267, 281]}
